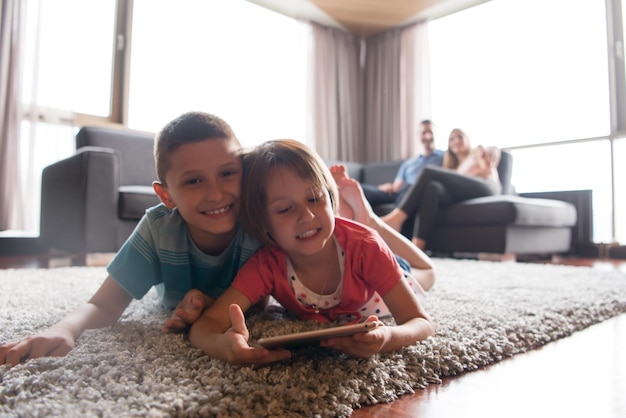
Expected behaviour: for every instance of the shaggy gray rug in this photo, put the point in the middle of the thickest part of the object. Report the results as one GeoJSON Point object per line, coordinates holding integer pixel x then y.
{"type": "Point", "coordinates": [484, 312]}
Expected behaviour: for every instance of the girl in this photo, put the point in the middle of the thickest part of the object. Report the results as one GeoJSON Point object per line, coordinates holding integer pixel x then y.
{"type": "Point", "coordinates": [318, 266]}
{"type": "Point", "coordinates": [466, 174]}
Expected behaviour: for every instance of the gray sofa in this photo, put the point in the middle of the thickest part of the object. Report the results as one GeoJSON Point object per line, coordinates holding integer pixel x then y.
{"type": "Point", "coordinates": [502, 224]}
{"type": "Point", "coordinates": [91, 202]}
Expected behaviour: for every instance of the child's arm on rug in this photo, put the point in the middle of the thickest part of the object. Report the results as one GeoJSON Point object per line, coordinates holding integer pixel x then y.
{"type": "Point", "coordinates": [413, 324]}
{"type": "Point", "coordinates": [191, 307]}
{"type": "Point", "coordinates": [103, 309]}
{"type": "Point", "coordinates": [187, 311]}
{"type": "Point", "coordinates": [221, 333]}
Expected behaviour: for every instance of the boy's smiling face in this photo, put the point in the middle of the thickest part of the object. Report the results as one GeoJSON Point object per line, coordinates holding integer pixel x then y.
{"type": "Point", "coordinates": [204, 183]}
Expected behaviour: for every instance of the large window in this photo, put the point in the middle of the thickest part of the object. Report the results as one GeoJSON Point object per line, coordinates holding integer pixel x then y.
{"type": "Point", "coordinates": [515, 73]}
{"type": "Point", "coordinates": [620, 183]}
{"type": "Point", "coordinates": [69, 59]}
{"type": "Point", "coordinates": [235, 59]}
{"type": "Point", "coordinates": [518, 72]}
{"type": "Point", "coordinates": [232, 58]}
{"type": "Point", "coordinates": [66, 81]}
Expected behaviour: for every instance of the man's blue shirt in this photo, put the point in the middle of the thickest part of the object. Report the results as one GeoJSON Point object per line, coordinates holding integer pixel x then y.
{"type": "Point", "coordinates": [411, 168]}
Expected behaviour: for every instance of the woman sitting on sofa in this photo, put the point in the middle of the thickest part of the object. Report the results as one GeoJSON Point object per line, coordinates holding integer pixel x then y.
{"type": "Point", "coordinates": [466, 174]}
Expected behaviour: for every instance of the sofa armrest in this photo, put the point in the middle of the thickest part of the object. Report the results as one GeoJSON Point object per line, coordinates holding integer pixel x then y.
{"type": "Point", "coordinates": [79, 200]}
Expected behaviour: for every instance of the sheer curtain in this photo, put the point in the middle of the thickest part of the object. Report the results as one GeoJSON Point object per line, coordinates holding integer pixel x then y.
{"type": "Point", "coordinates": [415, 94]}
{"type": "Point", "coordinates": [383, 96]}
{"type": "Point", "coordinates": [397, 95]}
{"type": "Point", "coordinates": [11, 27]}
{"type": "Point", "coordinates": [336, 94]}
{"type": "Point", "coordinates": [369, 96]}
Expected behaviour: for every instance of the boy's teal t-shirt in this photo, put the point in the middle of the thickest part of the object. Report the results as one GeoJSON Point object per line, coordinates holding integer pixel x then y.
{"type": "Point", "coordinates": [160, 253]}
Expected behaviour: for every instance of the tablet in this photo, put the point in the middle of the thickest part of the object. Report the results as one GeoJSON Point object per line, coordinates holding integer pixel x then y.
{"type": "Point", "coordinates": [300, 339]}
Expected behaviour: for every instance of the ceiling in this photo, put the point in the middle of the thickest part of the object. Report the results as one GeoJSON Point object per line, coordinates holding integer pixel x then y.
{"type": "Point", "coordinates": [365, 18]}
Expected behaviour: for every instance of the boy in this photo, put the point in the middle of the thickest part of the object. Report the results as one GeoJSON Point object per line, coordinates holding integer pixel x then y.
{"type": "Point", "coordinates": [192, 240]}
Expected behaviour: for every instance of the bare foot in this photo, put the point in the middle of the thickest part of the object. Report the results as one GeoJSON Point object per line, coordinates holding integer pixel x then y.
{"type": "Point", "coordinates": [351, 192]}
{"type": "Point", "coordinates": [339, 175]}
{"type": "Point", "coordinates": [339, 172]}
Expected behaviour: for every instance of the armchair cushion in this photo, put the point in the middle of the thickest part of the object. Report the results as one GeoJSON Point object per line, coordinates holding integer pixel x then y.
{"type": "Point", "coordinates": [134, 200]}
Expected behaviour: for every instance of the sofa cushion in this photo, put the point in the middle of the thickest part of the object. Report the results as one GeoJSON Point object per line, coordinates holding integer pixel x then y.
{"type": "Point", "coordinates": [134, 200]}
{"type": "Point", "coordinates": [510, 210]}
{"type": "Point", "coordinates": [379, 173]}
{"type": "Point", "coordinates": [500, 239]}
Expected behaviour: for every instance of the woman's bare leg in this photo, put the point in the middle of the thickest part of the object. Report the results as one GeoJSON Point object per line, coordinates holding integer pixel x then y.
{"type": "Point", "coordinates": [395, 219]}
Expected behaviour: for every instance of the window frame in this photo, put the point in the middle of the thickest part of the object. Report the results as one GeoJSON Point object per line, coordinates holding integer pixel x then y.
{"type": "Point", "coordinates": [118, 109]}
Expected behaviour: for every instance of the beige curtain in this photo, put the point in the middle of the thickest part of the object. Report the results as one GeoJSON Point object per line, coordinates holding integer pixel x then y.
{"type": "Point", "coordinates": [336, 94]}
{"type": "Point", "coordinates": [11, 207]}
{"type": "Point", "coordinates": [369, 96]}
{"type": "Point", "coordinates": [383, 93]}
{"type": "Point", "coordinates": [397, 92]}
{"type": "Point", "coordinates": [415, 91]}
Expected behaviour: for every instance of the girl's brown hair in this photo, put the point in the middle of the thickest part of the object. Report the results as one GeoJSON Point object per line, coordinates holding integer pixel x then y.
{"type": "Point", "coordinates": [257, 166]}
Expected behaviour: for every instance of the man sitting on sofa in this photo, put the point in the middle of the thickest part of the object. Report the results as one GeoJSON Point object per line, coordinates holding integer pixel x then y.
{"type": "Point", "coordinates": [408, 172]}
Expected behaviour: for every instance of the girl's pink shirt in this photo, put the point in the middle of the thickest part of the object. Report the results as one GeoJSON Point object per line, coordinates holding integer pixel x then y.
{"type": "Point", "coordinates": [369, 267]}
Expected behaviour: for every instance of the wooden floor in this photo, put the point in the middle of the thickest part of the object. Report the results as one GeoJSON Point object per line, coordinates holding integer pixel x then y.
{"type": "Point", "coordinates": [583, 375]}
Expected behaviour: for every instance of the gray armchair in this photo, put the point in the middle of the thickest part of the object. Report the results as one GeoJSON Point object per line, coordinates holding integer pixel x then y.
{"type": "Point", "coordinates": [92, 201]}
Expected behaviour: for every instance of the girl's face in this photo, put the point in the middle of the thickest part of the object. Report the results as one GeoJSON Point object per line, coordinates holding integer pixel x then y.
{"type": "Point", "coordinates": [204, 183]}
{"type": "Point", "coordinates": [301, 217]}
{"type": "Point", "coordinates": [458, 143]}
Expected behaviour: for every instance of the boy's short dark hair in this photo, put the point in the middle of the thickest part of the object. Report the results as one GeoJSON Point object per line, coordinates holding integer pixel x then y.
{"type": "Point", "coordinates": [187, 128]}
{"type": "Point", "coordinates": [287, 153]}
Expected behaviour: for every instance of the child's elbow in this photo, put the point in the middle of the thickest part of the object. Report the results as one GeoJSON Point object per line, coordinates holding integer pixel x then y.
{"type": "Point", "coordinates": [431, 277]}
{"type": "Point", "coordinates": [195, 335]}
{"type": "Point", "coordinates": [430, 329]}
{"type": "Point", "coordinates": [425, 277]}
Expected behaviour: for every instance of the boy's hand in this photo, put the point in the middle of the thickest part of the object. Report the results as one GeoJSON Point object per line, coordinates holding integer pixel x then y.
{"type": "Point", "coordinates": [235, 348]}
{"type": "Point", "coordinates": [187, 312]}
{"type": "Point", "coordinates": [55, 342]}
{"type": "Point", "coordinates": [362, 344]}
